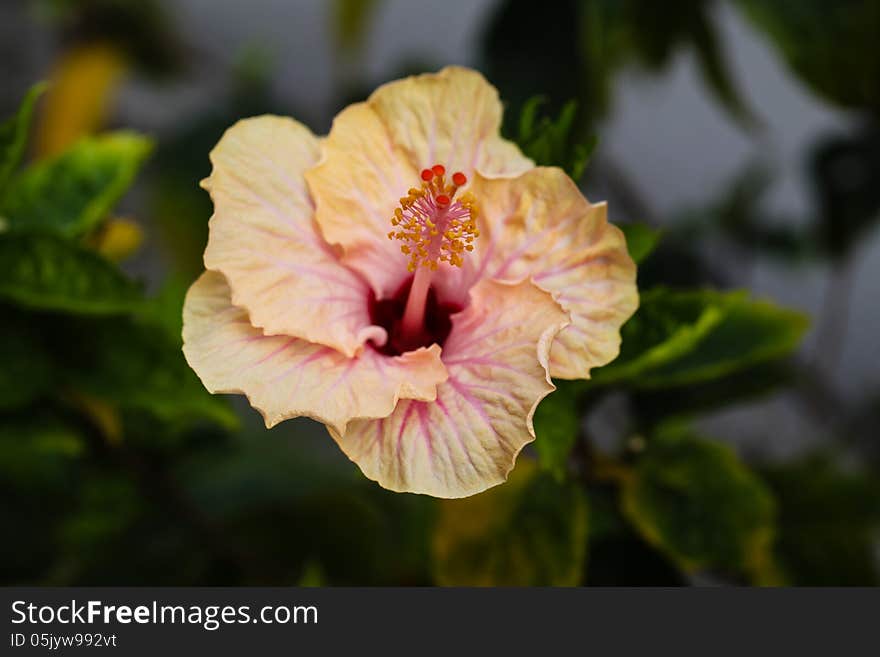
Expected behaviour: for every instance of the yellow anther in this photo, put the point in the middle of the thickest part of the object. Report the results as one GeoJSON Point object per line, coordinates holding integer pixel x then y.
{"type": "Point", "coordinates": [434, 224]}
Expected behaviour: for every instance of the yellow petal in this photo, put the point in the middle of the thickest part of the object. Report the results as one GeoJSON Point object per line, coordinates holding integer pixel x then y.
{"type": "Point", "coordinates": [284, 377]}
{"type": "Point", "coordinates": [452, 118]}
{"type": "Point", "coordinates": [356, 188]}
{"type": "Point", "coordinates": [375, 151]}
{"type": "Point", "coordinates": [264, 240]}
{"type": "Point", "coordinates": [540, 226]}
{"type": "Point", "coordinates": [468, 438]}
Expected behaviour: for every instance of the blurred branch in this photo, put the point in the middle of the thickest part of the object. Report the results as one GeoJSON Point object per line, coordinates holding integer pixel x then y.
{"type": "Point", "coordinates": [834, 316]}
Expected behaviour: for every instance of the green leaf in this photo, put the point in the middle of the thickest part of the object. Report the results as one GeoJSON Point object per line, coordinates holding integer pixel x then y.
{"type": "Point", "coordinates": [697, 503]}
{"type": "Point", "coordinates": [713, 67]}
{"type": "Point", "coordinates": [831, 46]}
{"type": "Point", "coordinates": [829, 519]}
{"type": "Point", "coordinates": [667, 326]}
{"type": "Point", "coordinates": [688, 336]}
{"type": "Point", "coordinates": [71, 194]}
{"type": "Point", "coordinates": [528, 118]}
{"type": "Point", "coordinates": [557, 427]}
{"type": "Point", "coordinates": [165, 309]}
{"type": "Point", "coordinates": [530, 47]}
{"type": "Point", "coordinates": [14, 133]}
{"type": "Point", "coordinates": [743, 386]}
{"type": "Point", "coordinates": [641, 240]}
{"type": "Point", "coordinates": [550, 142]}
{"type": "Point", "coordinates": [529, 531]}
{"type": "Point", "coordinates": [49, 273]}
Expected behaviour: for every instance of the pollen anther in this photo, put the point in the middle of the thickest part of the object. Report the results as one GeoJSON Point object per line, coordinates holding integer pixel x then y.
{"type": "Point", "coordinates": [434, 224]}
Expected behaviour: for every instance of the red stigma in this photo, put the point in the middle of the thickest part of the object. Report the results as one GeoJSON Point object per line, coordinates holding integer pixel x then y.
{"type": "Point", "coordinates": [434, 222]}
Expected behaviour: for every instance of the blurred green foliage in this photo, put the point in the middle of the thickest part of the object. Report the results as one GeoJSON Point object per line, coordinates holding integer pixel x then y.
{"type": "Point", "coordinates": [572, 49]}
{"type": "Point", "coordinates": [557, 421]}
{"type": "Point", "coordinates": [641, 240]}
{"type": "Point", "coordinates": [551, 142]}
{"type": "Point", "coordinates": [117, 467]}
{"type": "Point", "coordinates": [71, 194]}
{"type": "Point", "coordinates": [85, 353]}
{"type": "Point", "coordinates": [13, 134]}
{"type": "Point", "coordinates": [687, 336]}
{"type": "Point", "coordinates": [530, 531]}
{"type": "Point", "coordinates": [697, 502]}
{"type": "Point", "coordinates": [828, 520]}
{"type": "Point", "coordinates": [50, 273]}
{"type": "Point", "coordinates": [351, 20]}
{"type": "Point", "coordinates": [831, 46]}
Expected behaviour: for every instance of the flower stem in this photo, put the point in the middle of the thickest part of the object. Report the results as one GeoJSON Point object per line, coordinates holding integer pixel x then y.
{"type": "Point", "coordinates": [413, 323]}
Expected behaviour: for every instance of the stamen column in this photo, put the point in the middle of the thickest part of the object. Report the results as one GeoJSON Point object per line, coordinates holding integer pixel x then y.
{"type": "Point", "coordinates": [436, 227]}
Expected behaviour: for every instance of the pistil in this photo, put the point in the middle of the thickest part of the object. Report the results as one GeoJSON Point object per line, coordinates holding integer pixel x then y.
{"type": "Point", "coordinates": [413, 323]}
{"type": "Point", "coordinates": [435, 227]}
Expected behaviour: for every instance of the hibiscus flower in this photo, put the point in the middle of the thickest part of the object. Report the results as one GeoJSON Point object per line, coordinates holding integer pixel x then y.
{"type": "Point", "coordinates": [411, 280]}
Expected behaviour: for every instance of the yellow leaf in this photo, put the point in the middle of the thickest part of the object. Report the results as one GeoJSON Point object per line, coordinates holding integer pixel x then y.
{"type": "Point", "coordinates": [84, 83]}
{"type": "Point", "coordinates": [117, 239]}
{"type": "Point", "coordinates": [530, 531]}
{"type": "Point", "coordinates": [105, 416]}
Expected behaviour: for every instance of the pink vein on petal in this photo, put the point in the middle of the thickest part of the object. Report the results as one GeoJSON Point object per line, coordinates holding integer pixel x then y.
{"type": "Point", "coordinates": [423, 427]}
{"type": "Point", "coordinates": [470, 399]}
{"type": "Point", "coordinates": [457, 433]}
{"type": "Point", "coordinates": [400, 432]}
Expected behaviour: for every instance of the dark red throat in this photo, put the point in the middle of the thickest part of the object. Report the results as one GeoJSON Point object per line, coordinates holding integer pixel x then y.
{"type": "Point", "coordinates": [388, 313]}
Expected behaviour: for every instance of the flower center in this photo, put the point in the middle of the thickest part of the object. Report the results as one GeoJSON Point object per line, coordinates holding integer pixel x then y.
{"type": "Point", "coordinates": [388, 313]}
{"type": "Point", "coordinates": [433, 225]}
